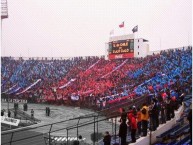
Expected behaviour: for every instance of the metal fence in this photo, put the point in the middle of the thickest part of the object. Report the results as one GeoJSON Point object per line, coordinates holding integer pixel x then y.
{"type": "Point", "coordinates": [90, 126]}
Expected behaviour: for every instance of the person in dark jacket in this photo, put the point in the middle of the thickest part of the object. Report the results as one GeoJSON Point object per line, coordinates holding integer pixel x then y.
{"type": "Point", "coordinates": [2, 112]}
{"type": "Point", "coordinates": [189, 118]}
{"type": "Point", "coordinates": [163, 118]}
{"type": "Point", "coordinates": [123, 115]}
{"type": "Point", "coordinates": [9, 113]}
{"type": "Point", "coordinates": [168, 109]}
{"type": "Point", "coordinates": [107, 138]}
{"type": "Point", "coordinates": [123, 132]}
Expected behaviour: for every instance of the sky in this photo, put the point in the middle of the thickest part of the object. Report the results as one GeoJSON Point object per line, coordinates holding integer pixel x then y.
{"type": "Point", "coordinates": [67, 28]}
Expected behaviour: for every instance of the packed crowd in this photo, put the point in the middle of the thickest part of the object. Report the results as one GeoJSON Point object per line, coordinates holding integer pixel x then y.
{"type": "Point", "coordinates": [95, 80]}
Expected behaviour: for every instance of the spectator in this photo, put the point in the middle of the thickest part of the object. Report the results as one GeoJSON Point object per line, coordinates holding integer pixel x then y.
{"type": "Point", "coordinates": [129, 117]}
{"type": "Point", "coordinates": [139, 121]}
{"type": "Point", "coordinates": [154, 115]}
{"type": "Point", "coordinates": [107, 138]}
{"type": "Point", "coordinates": [189, 117]}
{"type": "Point", "coordinates": [32, 113]}
{"type": "Point", "coordinates": [48, 111]}
{"type": "Point", "coordinates": [163, 116]}
{"type": "Point", "coordinates": [81, 141]}
{"type": "Point", "coordinates": [15, 113]}
{"type": "Point", "coordinates": [2, 112]}
{"type": "Point", "coordinates": [168, 109]}
{"type": "Point", "coordinates": [123, 115]}
{"type": "Point", "coordinates": [133, 128]}
{"type": "Point", "coordinates": [123, 132]}
{"type": "Point", "coordinates": [9, 113]}
{"type": "Point", "coordinates": [144, 119]}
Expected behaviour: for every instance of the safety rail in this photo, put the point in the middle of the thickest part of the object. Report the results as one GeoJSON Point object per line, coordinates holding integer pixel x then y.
{"type": "Point", "coordinates": [75, 126]}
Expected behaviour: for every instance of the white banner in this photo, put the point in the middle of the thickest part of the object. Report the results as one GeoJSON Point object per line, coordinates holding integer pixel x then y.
{"type": "Point", "coordinates": [29, 87]}
{"type": "Point", "coordinates": [14, 100]}
{"type": "Point", "coordinates": [65, 85]}
{"type": "Point", "coordinates": [75, 98]}
{"type": "Point", "coordinates": [10, 121]}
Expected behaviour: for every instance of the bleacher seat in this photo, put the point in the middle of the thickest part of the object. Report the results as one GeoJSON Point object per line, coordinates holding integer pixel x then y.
{"type": "Point", "coordinates": [179, 131]}
{"type": "Point", "coordinates": [165, 134]}
{"type": "Point", "coordinates": [184, 141]}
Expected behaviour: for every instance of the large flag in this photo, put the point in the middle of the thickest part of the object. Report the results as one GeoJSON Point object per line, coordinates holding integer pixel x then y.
{"type": "Point", "coordinates": [121, 25]}
{"type": "Point", "coordinates": [112, 32]}
{"type": "Point", "coordinates": [135, 29]}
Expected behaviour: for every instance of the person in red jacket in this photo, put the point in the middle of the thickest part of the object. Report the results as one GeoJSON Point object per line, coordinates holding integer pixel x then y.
{"type": "Point", "coordinates": [133, 128]}
{"type": "Point", "coordinates": [129, 116]}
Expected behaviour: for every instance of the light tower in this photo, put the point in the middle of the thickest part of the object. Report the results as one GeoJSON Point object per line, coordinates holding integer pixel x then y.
{"type": "Point", "coordinates": [4, 9]}
{"type": "Point", "coordinates": [4, 15]}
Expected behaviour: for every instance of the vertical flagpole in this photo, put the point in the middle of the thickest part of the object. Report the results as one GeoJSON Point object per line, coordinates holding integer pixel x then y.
{"type": "Point", "coordinates": [137, 32]}
{"type": "Point", "coordinates": [188, 38]}
{"type": "Point", "coordinates": [124, 28]}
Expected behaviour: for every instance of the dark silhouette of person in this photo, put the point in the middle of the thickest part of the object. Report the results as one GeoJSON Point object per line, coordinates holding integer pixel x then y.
{"type": "Point", "coordinates": [107, 138]}
{"type": "Point", "coordinates": [168, 109]}
{"type": "Point", "coordinates": [123, 132]}
{"type": "Point", "coordinates": [2, 112]}
{"type": "Point", "coordinates": [48, 111]}
{"type": "Point", "coordinates": [9, 113]}
{"type": "Point", "coordinates": [32, 113]}
{"type": "Point", "coordinates": [123, 115]}
{"type": "Point", "coordinates": [189, 117]}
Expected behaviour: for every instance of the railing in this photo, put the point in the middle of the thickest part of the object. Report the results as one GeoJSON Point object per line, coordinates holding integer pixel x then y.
{"type": "Point", "coordinates": [94, 123]}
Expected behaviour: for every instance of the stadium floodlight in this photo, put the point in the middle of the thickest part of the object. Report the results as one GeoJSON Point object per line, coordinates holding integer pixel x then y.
{"type": "Point", "coordinates": [4, 9]}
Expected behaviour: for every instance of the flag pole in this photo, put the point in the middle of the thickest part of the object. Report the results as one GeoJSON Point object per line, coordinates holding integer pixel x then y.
{"type": "Point", "coordinates": [137, 32]}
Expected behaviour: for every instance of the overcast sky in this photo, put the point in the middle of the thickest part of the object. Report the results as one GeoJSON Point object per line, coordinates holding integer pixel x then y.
{"type": "Point", "coordinates": [65, 28]}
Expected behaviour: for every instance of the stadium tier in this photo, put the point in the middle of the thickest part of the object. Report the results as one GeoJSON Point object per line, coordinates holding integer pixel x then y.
{"type": "Point", "coordinates": [108, 86]}
{"type": "Point", "coordinates": [93, 80]}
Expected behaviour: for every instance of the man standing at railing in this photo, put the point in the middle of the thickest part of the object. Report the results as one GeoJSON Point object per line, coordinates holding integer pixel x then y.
{"type": "Point", "coordinates": [123, 132]}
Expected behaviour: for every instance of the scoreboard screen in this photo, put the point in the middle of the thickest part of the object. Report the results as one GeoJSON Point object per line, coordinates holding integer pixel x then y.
{"type": "Point", "coordinates": [121, 49]}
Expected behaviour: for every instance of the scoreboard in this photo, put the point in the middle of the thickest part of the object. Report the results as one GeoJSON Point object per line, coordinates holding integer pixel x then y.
{"type": "Point", "coordinates": [121, 49]}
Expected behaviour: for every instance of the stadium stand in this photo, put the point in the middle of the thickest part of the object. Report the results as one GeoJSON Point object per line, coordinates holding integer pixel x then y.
{"type": "Point", "coordinates": [94, 82]}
